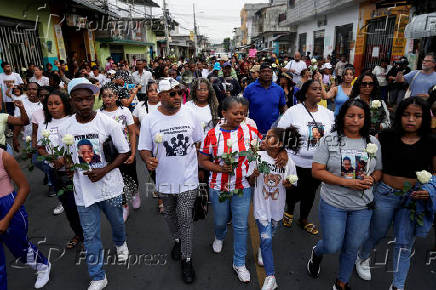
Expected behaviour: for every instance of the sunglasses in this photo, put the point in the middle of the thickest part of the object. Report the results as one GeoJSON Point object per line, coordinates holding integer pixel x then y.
{"type": "Point", "coordinates": [367, 84]}
{"type": "Point", "coordinates": [173, 93]}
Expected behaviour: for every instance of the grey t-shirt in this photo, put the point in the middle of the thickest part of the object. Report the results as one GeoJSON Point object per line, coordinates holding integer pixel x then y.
{"type": "Point", "coordinates": [422, 83]}
{"type": "Point", "coordinates": [346, 159]}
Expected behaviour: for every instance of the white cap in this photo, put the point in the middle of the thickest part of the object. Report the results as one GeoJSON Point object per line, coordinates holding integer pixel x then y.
{"type": "Point", "coordinates": [327, 66]}
{"type": "Point", "coordinates": [167, 84]}
{"type": "Point", "coordinates": [81, 83]}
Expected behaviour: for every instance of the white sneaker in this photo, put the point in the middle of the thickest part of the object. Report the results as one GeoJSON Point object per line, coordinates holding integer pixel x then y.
{"type": "Point", "coordinates": [122, 252]}
{"type": "Point", "coordinates": [243, 273]}
{"type": "Point", "coordinates": [125, 213]}
{"type": "Point", "coordinates": [42, 275]}
{"type": "Point", "coordinates": [217, 246]}
{"type": "Point", "coordinates": [259, 258]}
{"type": "Point", "coordinates": [392, 288]}
{"type": "Point", "coordinates": [58, 209]}
{"type": "Point", "coordinates": [98, 285]}
{"type": "Point", "coordinates": [363, 269]}
{"type": "Point", "coordinates": [136, 202]}
{"type": "Point", "coordinates": [270, 283]}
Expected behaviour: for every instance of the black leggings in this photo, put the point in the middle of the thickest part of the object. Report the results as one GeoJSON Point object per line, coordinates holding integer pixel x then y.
{"type": "Point", "coordinates": [303, 192]}
{"type": "Point", "coordinates": [61, 180]}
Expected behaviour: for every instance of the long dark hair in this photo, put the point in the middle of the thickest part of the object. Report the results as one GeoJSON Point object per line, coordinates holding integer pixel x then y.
{"type": "Point", "coordinates": [355, 91]}
{"type": "Point", "coordinates": [65, 100]}
{"type": "Point", "coordinates": [301, 94]}
{"type": "Point", "coordinates": [340, 119]}
{"type": "Point", "coordinates": [115, 92]}
{"type": "Point", "coordinates": [426, 116]}
{"type": "Point", "coordinates": [212, 100]}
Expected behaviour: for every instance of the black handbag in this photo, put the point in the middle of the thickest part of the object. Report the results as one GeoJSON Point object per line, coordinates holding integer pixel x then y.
{"type": "Point", "coordinates": [201, 204]}
{"type": "Point", "coordinates": [109, 150]}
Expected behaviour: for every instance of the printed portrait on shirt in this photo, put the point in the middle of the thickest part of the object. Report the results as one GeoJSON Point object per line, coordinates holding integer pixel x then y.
{"type": "Point", "coordinates": [316, 132]}
{"type": "Point", "coordinates": [353, 164]}
{"type": "Point", "coordinates": [88, 151]}
{"type": "Point", "coordinates": [177, 145]}
{"type": "Point", "coordinates": [271, 185]}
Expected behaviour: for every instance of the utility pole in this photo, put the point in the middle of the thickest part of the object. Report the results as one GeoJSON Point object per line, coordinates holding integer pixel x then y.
{"type": "Point", "coordinates": [165, 15]}
{"type": "Point", "coordinates": [195, 32]}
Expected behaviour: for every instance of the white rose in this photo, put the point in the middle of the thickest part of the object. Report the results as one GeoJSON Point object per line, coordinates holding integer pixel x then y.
{"type": "Point", "coordinates": [423, 176]}
{"type": "Point", "coordinates": [371, 148]}
{"type": "Point", "coordinates": [229, 143]}
{"type": "Point", "coordinates": [375, 104]}
{"type": "Point", "coordinates": [254, 143]}
{"type": "Point", "coordinates": [68, 139]}
{"type": "Point", "coordinates": [45, 133]}
{"type": "Point", "coordinates": [28, 139]}
{"type": "Point", "coordinates": [315, 67]}
{"type": "Point", "coordinates": [203, 125]}
{"type": "Point", "coordinates": [314, 60]}
{"type": "Point", "coordinates": [158, 138]}
{"type": "Point", "coordinates": [292, 179]}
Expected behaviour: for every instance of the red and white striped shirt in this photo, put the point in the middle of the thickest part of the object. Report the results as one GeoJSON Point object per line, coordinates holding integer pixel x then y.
{"type": "Point", "coordinates": [215, 144]}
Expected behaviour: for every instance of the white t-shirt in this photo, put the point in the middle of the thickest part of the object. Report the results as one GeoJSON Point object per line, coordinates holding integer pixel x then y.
{"type": "Point", "coordinates": [18, 98]}
{"type": "Point", "coordinates": [142, 79]}
{"type": "Point", "coordinates": [43, 81]}
{"type": "Point", "coordinates": [53, 127]}
{"type": "Point", "coordinates": [11, 77]}
{"type": "Point", "coordinates": [298, 67]}
{"type": "Point", "coordinates": [202, 113]}
{"type": "Point", "coordinates": [30, 108]}
{"type": "Point", "coordinates": [310, 131]}
{"type": "Point", "coordinates": [38, 117]}
{"type": "Point", "coordinates": [178, 165]}
{"type": "Point", "coordinates": [270, 194]}
{"type": "Point", "coordinates": [89, 139]}
{"type": "Point", "coordinates": [140, 110]}
{"type": "Point", "coordinates": [123, 116]}
{"type": "Point", "coordinates": [101, 78]}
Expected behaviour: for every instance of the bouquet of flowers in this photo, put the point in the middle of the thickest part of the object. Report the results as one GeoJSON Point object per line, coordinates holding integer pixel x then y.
{"type": "Point", "coordinates": [27, 152]}
{"type": "Point", "coordinates": [314, 65]}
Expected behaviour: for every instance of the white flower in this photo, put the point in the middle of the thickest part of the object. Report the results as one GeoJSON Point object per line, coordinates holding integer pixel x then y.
{"type": "Point", "coordinates": [371, 148]}
{"type": "Point", "coordinates": [158, 138]}
{"type": "Point", "coordinates": [229, 143]}
{"type": "Point", "coordinates": [292, 178]}
{"type": "Point", "coordinates": [423, 176]}
{"type": "Point", "coordinates": [254, 143]}
{"type": "Point", "coordinates": [45, 133]}
{"type": "Point", "coordinates": [375, 104]}
{"type": "Point", "coordinates": [28, 139]}
{"type": "Point", "coordinates": [314, 60]}
{"type": "Point", "coordinates": [314, 67]}
{"type": "Point", "coordinates": [274, 65]}
{"type": "Point", "coordinates": [68, 139]}
{"type": "Point", "coordinates": [203, 125]}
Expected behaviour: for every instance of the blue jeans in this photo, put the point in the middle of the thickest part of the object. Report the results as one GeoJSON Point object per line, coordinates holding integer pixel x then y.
{"type": "Point", "coordinates": [266, 232]}
{"type": "Point", "coordinates": [44, 167]}
{"type": "Point", "coordinates": [386, 210]}
{"type": "Point", "coordinates": [90, 220]}
{"type": "Point", "coordinates": [239, 206]}
{"type": "Point", "coordinates": [343, 230]}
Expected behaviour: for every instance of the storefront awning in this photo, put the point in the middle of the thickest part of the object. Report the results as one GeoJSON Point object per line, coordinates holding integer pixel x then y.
{"type": "Point", "coordinates": [423, 25]}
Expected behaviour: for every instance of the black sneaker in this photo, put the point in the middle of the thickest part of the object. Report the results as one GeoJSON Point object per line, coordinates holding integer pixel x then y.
{"type": "Point", "coordinates": [51, 191]}
{"type": "Point", "coordinates": [337, 287]}
{"type": "Point", "coordinates": [314, 265]}
{"type": "Point", "coordinates": [188, 273]}
{"type": "Point", "coordinates": [176, 252]}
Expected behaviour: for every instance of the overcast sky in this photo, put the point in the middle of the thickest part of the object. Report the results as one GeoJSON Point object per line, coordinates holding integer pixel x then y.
{"type": "Point", "coordinates": [216, 18]}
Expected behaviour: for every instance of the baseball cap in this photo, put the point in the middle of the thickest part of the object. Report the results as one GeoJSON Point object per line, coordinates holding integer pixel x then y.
{"type": "Point", "coordinates": [227, 63]}
{"type": "Point", "coordinates": [167, 84]}
{"type": "Point", "coordinates": [264, 66]}
{"type": "Point", "coordinates": [327, 66]}
{"type": "Point", "coordinates": [255, 68]}
{"type": "Point", "coordinates": [81, 83]}
{"type": "Point", "coordinates": [217, 66]}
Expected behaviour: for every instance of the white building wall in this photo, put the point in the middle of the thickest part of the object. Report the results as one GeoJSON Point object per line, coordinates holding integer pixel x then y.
{"type": "Point", "coordinates": [339, 18]}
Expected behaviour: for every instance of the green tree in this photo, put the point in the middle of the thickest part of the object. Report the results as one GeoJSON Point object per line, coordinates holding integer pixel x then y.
{"type": "Point", "coordinates": [226, 43]}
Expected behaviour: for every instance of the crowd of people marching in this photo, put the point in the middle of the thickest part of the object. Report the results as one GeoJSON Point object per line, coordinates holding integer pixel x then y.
{"type": "Point", "coordinates": [275, 131]}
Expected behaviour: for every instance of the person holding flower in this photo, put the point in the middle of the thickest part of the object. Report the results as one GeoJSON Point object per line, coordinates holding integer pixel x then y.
{"type": "Point", "coordinates": [346, 204]}
{"type": "Point", "coordinates": [366, 88]}
{"type": "Point", "coordinates": [57, 110]}
{"type": "Point", "coordinates": [407, 149]}
{"type": "Point", "coordinates": [270, 194]}
{"type": "Point", "coordinates": [113, 108]}
{"type": "Point", "coordinates": [168, 144]}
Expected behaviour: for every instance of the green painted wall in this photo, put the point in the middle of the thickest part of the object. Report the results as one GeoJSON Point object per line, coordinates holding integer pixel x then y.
{"type": "Point", "coordinates": [102, 53]}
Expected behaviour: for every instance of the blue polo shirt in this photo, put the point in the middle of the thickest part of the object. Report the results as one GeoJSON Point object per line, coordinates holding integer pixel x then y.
{"type": "Point", "coordinates": [264, 104]}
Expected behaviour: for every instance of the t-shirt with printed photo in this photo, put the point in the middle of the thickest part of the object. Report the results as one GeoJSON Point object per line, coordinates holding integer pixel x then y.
{"type": "Point", "coordinates": [88, 148]}
{"type": "Point", "coordinates": [122, 116]}
{"type": "Point", "coordinates": [177, 155]}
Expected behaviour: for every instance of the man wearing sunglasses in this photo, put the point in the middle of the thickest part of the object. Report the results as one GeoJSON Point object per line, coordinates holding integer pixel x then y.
{"type": "Point", "coordinates": [168, 143]}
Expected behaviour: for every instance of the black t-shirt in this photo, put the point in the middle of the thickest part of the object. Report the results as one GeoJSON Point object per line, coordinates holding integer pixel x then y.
{"type": "Point", "coordinates": [404, 160]}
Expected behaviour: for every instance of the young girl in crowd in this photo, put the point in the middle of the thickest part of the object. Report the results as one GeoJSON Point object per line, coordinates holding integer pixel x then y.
{"type": "Point", "coordinates": [112, 108]}
{"type": "Point", "coordinates": [57, 109]}
{"type": "Point", "coordinates": [407, 148]}
{"type": "Point", "coordinates": [270, 194]}
{"type": "Point", "coordinates": [346, 203]}
{"type": "Point", "coordinates": [313, 121]}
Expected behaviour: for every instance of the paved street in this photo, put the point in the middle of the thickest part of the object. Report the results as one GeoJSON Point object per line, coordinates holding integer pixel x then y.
{"type": "Point", "coordinates": [147, 234]}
